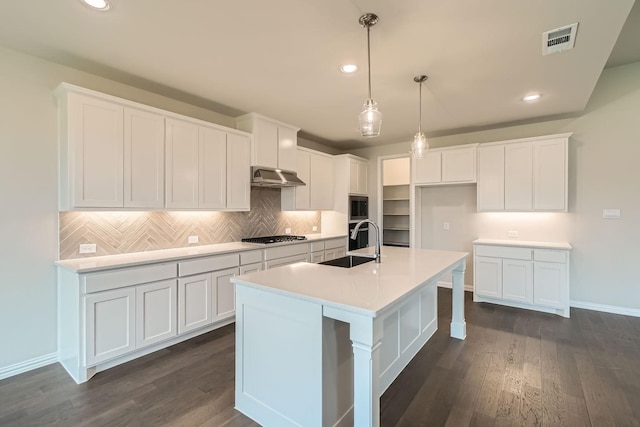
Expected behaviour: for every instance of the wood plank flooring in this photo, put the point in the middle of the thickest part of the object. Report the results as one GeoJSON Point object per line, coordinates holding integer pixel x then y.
{"type": "Point", "coordinates": [516, 368]}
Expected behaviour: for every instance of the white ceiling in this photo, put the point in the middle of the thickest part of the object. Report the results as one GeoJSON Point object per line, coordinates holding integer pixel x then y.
{"type": "Point", "coordinates": [281, 58]}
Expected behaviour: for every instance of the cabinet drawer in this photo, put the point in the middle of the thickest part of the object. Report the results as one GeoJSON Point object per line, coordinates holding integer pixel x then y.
{"type": "Point", "coordinates": [335, 243]}
{"type": "Point", "coordinates": [250, 257]}
{"type": "Point", "coordinates": [504, 252]}
{"type": "Point", "coordinates": [122, 277]}
{"type": "Point", "coordinates": [549, 255]}
{"type": "Point", "coordinates": [203, 265]}
{"type": "Point", "coordinates": [317, 246]}
{"type": "Point", "coordinates": [285, 251]}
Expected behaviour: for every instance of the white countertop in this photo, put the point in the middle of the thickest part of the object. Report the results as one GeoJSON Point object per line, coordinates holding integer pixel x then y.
{"type": "Point", "coordinates": [367, 288]}
{"type": "Point", "coordinates": [91, 264]}
{"type": "Point", "coordinates": [524, 243]}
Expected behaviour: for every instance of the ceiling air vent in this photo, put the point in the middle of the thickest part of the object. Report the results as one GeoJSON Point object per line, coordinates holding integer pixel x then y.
{"type": "Point", "coordinates": [560, 39]}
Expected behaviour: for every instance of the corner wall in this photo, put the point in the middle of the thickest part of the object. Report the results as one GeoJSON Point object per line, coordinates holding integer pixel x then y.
{"type": "Point", "coordinates": [603, 173]}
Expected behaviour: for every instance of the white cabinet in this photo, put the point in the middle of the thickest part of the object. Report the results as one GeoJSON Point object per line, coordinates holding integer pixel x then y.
{"type": "Point", "coordinates": [316, 257]}
{"type": "Point", "coordinates": [206, 167]}
{"type": "Point", "coordinates": [522, 276]}
{"type": "Point", "coordinates": [316, 170]}
{"type": "Point", "coordinates": [156, 312]}
{"type": "Point", "coordinates": [224, 302]}
{"type": "Point", "coordinates": [143, 159]}
{"type": "Point", "coordinates": [194, 302]}
{"type": "Point", "coordinates": [274, 143]}
{"type": "Point", "coordinates": [334, 248]}
{"type": "Point", "coordinates": [91, 151]}
{"type": "Point", "coordinates": [453, 165]}
{"type": "Point", "coordinates": [110, 318]}
{"type": "Point", "coordinates": [285, 255]}
{"type": "Point", "coordinates": [523, 175]}
{"type": "Point", "coordinates": [358, 176]}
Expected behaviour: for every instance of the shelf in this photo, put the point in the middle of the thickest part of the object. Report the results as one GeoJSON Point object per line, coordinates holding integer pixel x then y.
{"type": "Point", "coordinates": [396, 228]}
{"type": "Point", "coordinates": [401, 244]}
{"type": "Point", "coordinates": [397, 199]}
{"type": "Point", "coordinates": [395, 214]}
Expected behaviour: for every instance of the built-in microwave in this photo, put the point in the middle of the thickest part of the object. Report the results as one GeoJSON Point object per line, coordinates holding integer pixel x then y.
{"type": "Point", "coordinates": [358, 208]}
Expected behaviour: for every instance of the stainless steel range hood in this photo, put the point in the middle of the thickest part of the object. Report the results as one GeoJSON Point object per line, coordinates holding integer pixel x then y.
{"type": "Point", "coordinates": [270, 177]}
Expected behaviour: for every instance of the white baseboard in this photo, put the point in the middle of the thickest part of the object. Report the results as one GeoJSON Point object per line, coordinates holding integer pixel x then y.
{"type": "Point", "coordinates": [606, 308]}
{"type": "Point", "coordinates": [28, 365]}
{"type": "Point", "coordinates": [449, 285]}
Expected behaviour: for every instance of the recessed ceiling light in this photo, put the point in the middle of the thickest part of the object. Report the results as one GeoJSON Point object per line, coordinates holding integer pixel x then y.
{"type": "Point", "coordinates": [97, 4]}
{"type": "Point", "coordinates": [531, 97]}
{"type": "Point", "coordinates": [349, 68]}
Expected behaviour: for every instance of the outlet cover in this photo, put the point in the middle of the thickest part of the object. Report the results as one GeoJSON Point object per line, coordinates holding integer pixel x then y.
{"type": "Point", "coordinates": [87, 248]}
{"type": "Point", "coordinates": [314, 228]}
{"type": "Point", "coordinates": [287, 231]}
{"type": "Point", "coordinates": [512, 233]}
{"type": "Point", "coordinates": [445, 225]}
{"type": "Point", "coordinates": [610, 213]}
{"type": "Point", "coordinates": [192, 239]}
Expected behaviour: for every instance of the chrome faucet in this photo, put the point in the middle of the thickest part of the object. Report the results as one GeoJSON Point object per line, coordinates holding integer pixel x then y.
{"type": "Point", "coordinates": [354, 234]}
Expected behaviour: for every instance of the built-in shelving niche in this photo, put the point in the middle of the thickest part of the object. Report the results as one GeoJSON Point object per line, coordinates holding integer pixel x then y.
{"type": "Point", "coordinates": [396, 215]}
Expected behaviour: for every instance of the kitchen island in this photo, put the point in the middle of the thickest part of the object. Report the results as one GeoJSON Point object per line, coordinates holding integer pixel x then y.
{"type": "Point", "coordinates": [317, 345]}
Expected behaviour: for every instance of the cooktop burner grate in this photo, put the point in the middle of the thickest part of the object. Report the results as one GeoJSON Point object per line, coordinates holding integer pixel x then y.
{"type": "Point", "coordinates": [274, 239]}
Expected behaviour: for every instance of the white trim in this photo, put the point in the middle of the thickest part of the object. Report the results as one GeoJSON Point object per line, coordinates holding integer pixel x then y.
{"type": "Point", "coordinates": [449, 285]}
{"type": "Point", "coordinates": [28, 365]}
{"type": "Point", "coordinates": [625, 311]}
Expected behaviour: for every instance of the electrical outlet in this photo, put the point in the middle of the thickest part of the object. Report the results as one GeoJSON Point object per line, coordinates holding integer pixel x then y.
{"type": "Point", "coordinates": [87, 248]}
{"type": "Point", "coordinates": [611, 213]}
{"type": "Point", "coordinates": [314, 228]}
{"type": "Point", "coordinates": [445, 225]}
{"type": "Point", "coordinates": [512, 233]}
{"type": "Point", "coordinates": [192, 239]}
{"type": "Point", "coordinates": [287, 231]}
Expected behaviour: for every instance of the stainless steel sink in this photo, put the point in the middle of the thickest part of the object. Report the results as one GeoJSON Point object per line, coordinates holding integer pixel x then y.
{"type": "Point", "coordinates": [348, 261]}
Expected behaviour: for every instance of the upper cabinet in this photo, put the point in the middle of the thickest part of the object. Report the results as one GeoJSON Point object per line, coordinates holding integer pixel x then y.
{"type": "Point", "coordinates": [274, 143]}
{"type": "Point", "coordinates": [316, 170]}
{"type": "Point", "coordinates": [113, 154]}
{"type": "Point", "coordinates": [452, 165]}
{"type": "Point", "coordinates": [524, 175]}
{"type": "Point", "coordinates": [207, 168]}
{"type": "Point", "coordinates": [358, 176]}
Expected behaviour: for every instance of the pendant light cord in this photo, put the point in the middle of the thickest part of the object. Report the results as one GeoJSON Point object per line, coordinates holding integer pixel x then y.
{"type": "Point", "coordinates": [369, 57]}
{"type": "Point", "coordinates": [420, 110]}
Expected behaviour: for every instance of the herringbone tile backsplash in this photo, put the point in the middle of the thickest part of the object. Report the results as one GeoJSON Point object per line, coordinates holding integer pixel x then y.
{"type": "Point", "coordinates": [126, 232]}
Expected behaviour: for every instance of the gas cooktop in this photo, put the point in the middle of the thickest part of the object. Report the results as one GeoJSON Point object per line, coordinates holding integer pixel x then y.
{"type": "Point", "coordinates": [274, 239]}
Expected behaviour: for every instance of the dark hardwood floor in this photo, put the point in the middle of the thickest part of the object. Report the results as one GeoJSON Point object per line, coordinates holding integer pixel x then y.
{"type": "Point", "coordinates": [516, 367]}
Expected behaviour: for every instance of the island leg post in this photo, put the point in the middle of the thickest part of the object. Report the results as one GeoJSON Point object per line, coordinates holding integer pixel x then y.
{"type": "Point", "coordinates": [458, 324]}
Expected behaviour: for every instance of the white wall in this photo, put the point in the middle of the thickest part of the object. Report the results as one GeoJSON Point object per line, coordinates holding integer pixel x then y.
{"type": "Point", "coordinates": [603, 173]}
{"type": "Point", "coordinates": [28, 196]}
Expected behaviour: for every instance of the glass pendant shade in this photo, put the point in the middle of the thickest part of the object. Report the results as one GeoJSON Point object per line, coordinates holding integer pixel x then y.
{"type": "Point", "coordinates": [419, 146]}
{"type": "Point", "coordinates": [370, 119]}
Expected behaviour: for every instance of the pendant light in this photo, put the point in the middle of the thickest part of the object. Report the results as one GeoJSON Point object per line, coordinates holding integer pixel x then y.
{"type": "Point", "coordinates": [370, 118]}
{"type": "Point", "coordinates": [419, 146]}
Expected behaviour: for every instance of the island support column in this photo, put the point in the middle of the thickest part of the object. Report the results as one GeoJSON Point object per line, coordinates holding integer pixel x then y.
{"type": "Point", "coordinates": [366, 337]}
{"type": "Point", "coordinates": [458, 324]}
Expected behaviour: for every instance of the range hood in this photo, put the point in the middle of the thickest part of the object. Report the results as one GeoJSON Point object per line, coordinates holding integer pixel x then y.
{"type": "Point", "coordinates": [270, 177]}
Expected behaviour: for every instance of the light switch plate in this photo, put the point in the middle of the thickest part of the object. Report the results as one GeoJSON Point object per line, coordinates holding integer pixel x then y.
{"type": "Point", "coordinates": [287, 231]}
{"type": "Point", "coordinates": [445, 225]}
{"type": "Point", "coordinates": [87, 248]}
{"type": "Point", "coordinates": [192, 239]}
{"type": "Point", "coordinates": [610, 213]}
{"type": "Point", "coordinates": [512, 233]}
{"type": "Point", "coordinates": [314, 228]}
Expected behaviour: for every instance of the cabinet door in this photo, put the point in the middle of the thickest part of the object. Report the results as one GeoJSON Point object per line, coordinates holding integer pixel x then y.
{"type": "Point", "coordinates": [316, 257]}
{"type": "Point", "coordinates": [110, 324]}
{"type": "Point", "coordinates": [459, 165]}
{"type": "Point", "coordinates": [182, 151]}
{"type": "Point", "coordinates": [156, 312]}
{"type": "Point", "coordinates": [224, 294]}
{"type": "Point", "coordinates": [549, 284]}
{"type": "Point", "coordinates": [238, 172]}
{"type": "Point", "coordinates": [279, 262]}
{"type": "Point", "coordinates": [143, 159]}
{"type": "Point", "coordinates": [517, 283]}
{"type": "Point", "coordinates": [488, 276]}
{"type": "Point", "coordinates": [518, 177]}
{"type": "Point", "coordinates": [357, 177]}
{"type": "Point", "coordinates": [321, 179]}
{"type": "Point", "coordinates": [251, 268]}
{"type": "Point", "coordinates": [491, 178]}
{"type": "Point", "coordinates": [212, 168]}
{"type": "Point", "coordinates": [428, 170]}
{"type": "Point", "coordinates": [334, 253]}
{"type": "Point", "coordinates": [194, 302]}
{"type": "Point", "coordinates": [265, 143]}
{"type": "Point", "coordinates": [550, 175]}
{"type": "Point", "coordinates": [302, 194]}
{"type": "Point", "coordinates": [287, 148]}
{"type": "Point", "coordinates": [95, 136]}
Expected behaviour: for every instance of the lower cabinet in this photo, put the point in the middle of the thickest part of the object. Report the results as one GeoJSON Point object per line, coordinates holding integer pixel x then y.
{"type": "Point", "coordinates": [194, 297]}
{"type": "Point", "coordinates": [526, 277]}
{"type": "Point", "coordinates": [156, 312]}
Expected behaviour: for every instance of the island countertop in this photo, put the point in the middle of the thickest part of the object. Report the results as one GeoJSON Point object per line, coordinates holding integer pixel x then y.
{"type": "Point", "coordinates": [366, 289]}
